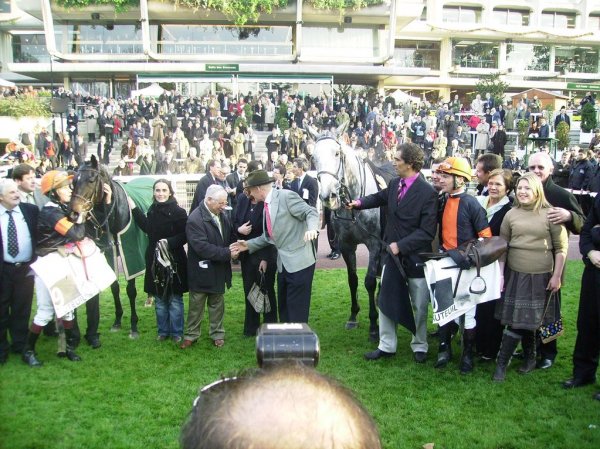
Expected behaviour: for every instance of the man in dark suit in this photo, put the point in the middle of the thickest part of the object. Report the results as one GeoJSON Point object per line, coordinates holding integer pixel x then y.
{"type": "Point", "coordinates": [303, 184]}
{"type": "Point", "coordinates": [213, 172]}
{"type": "Point", "coordinates": [562, 117]}
{"type": "Point", "coordinates": [18, 235]}
{"type": "Point", "coordinates": [209, 233]}
{"type": "Point", "coordinates": [566, 211]}
{"type": "Point", "coordinates": [290, 224]}
{"type": "Point", "coordinates": [233, 180]}
{"type": "Point", "coordinates": [485, 164]}
{"type": "Point", "coordinates": [411, 223]}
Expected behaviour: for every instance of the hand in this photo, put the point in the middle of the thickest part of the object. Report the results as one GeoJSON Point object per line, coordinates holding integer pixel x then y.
{"type": "Point", "coordinates": [394, 248]}
{"type": "Point", "coordinates": [107, 193]}
{"type": "Point", "coordinates": [554, 283]}
{"type": "Point", "coordinates": [234, 253]}
{"type": "Point", "coordinates": [262, 266]}
{"type": "Point", "coordinates": [352, 204]}
{"type": "Point", "coordinates": [558, 215]}
{"type": "Point", "coordinates": [239, 246]}
{"type": "Point", "coordinates": [131, 203]}
{"type": "Point", "coordinates": [310, 235]}
{"type": "Point", "coordinates": [594, 256]}
{"type": "Point", "coordinates": [245, 229]}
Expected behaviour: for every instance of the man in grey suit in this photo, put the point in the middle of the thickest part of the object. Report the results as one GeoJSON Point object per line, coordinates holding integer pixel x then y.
{"type": "Point", "coordinates": [291, 225]}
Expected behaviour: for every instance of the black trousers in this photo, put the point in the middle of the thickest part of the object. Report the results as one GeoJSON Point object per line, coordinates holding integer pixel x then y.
{"type": "Point", "coordinates": [92, 310]}
{"type": "Point", "coordinates": [250, 275]}
{"type": "Point", "coordinates": [489, 330]}
{"type": "Point", "coordinates": [16, 295]}
{"type": "Point", "coordinates": [331, 237]}
{"type": "Point", "coordinates": [293, 293]}
{"type": "Point", "coordinates": [587, 344]}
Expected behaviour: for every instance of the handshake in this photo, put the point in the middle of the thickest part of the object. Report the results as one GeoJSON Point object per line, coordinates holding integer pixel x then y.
{"type": "Point", "coordinates": [238, 247]}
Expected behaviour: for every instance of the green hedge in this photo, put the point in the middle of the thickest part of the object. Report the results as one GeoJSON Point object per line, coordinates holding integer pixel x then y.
{"type": "Point", "coordinates": [24, 107]}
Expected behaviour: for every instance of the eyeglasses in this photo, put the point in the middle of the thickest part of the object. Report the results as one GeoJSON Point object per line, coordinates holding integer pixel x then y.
{"type": "Point", "coordinates": [539, 167]}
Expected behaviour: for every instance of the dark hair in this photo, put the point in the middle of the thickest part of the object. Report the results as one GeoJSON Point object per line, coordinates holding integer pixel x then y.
{"type": "Point", "coordinates": [164, 181]}
{"type": "Point", "coordinates": [253, 165]}
{"type": "Point", "coordinates": [243, 160]}
{"type": "Point", "coordinates": [281, 168]}
{"type": "Point", "coordinates": [302, 163]}
{"type": "Point", "coordinates": [412, 155]}
{"type": "Point", "coordinates": [210, 164]}
{"type": "Point", "coordinates": [21, 170]}
{"type": "Point", "coordinates": [489, 162]}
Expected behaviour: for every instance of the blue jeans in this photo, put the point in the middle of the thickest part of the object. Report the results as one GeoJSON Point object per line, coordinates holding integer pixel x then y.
{"type": "Point", "coordinates": [169, 315]}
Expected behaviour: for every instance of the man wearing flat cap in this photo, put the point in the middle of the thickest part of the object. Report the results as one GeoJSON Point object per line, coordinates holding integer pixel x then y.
{"type": "Point", "coordinates": [291, 225]}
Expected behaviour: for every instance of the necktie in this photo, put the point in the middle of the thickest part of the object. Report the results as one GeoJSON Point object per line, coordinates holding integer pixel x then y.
{"type": "Point", "coordinates": [268, 220]}
{"type": "Point", "coordinates": [401, 189]}
{"type": "Point", "coordinates": [13, 241]}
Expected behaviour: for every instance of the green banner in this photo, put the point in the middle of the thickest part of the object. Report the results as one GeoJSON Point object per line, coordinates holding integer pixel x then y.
{"type": "Point", "coordinates": [580, 86]}
{"type": "Point", "coordinates": [222, 67]}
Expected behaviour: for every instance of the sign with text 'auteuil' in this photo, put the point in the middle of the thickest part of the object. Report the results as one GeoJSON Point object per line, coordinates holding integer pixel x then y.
{"type": "Point", "coordinates": [222, 67]}
{"type": "Point", "coordinates": [580, 86]}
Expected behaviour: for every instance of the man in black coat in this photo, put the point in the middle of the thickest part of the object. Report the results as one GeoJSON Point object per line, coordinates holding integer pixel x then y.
{"type": "Point", "coordinates": [566, 211]}
{"type": "Point", "coordinates": [411, 224]}
{"type": "Point", "coordinates": [213, 170]}
{"type": "Point", "coordinates": [209, 234]}
{"type": "Point", "coordinates": [303, 184]}
{"type": "Point", "coordinates": [18, 236]}
{"type": "Point", "coordinates": [562, 116]}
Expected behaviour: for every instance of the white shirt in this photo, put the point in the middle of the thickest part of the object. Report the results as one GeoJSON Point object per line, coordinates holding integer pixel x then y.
{"type": "Point", "coordinates": [23, 236]}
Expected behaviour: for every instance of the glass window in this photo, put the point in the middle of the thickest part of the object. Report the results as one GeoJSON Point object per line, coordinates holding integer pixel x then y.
{"type": "Point", "coordinates": [29, 48]}
{"type": "Point", "coordinates": [594, 21]}
{"type": "Point", "coordinates": [105, 39]}
{"type": "Point", "coordinates": [576, 59]}
{"type": "Point", "coordinates": [91, 88]}
{"type": "Point", "coordinates": [522, 57]}
{"type": "Point", "coordinates": [343, 42]}
{"type": "Point", "coordinates": [417, 54]}
{"type": "Point", "coordinates": [5, 7]}
{"type": "Point", "coordinates": [225, 40]}
{"type": "Point", "coordinates": [461, 14]}
{"type": "Point", "coordinates": [480, 55]}
{"type": "Point", "coordinates": [554, 19]}
{"type": "Point", "coordinates": [515, 17]}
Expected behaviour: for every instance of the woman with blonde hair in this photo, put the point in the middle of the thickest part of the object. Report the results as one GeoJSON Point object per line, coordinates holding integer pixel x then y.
{"type": "Point", "coordinates": [535, 260]}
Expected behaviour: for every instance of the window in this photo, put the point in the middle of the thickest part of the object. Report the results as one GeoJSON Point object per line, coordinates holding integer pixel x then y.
{"type": "Point", "coordinates": [553, 19]}
{"type": "Point", "coordinates": [480, 55]}
{"type": "Point", "coordinates": [117, 39]}
{"type": "Point", "coordinates": [5, 7]}
{"type": "Point", "coordinates": [524, 57]}
{"type": "Point", "coordinates": [421, 54]}
{"type": "Point", "coordinates": [461, 14]}
{"type": "Point", "coordinates": [515, 17]}
{"type": "Point", "coordinates": [332, 42]}
{"type": "Point", "coordinates": [576, 59]}
{"type": "Point", "coordinates": [594, 21]}
{"type": "Point", "coordinates": [29, 48]}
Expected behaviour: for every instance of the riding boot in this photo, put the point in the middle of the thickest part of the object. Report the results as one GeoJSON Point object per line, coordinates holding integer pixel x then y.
{"type": "Point", "coordinates": [445, 349]}
{"type": "Point", "coordinates": [510, 340]}
{"type": "Point", "coordinates": [529, 355]}
{"type": "Point", "coordinates": [29, 350]}
{"type": "Point", "coordinates": [70, 352]}
{"type": "Point", "coordinates": [466, 359]}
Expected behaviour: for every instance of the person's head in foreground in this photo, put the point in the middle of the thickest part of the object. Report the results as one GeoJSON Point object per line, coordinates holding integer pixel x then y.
{"type": "Point", "coordinates": [289, 406]}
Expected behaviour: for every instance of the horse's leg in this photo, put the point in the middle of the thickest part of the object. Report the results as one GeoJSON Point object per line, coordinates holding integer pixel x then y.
{"type": "Point", "coordinates": [132, 294]}
{"type": "Point", "coordinates": [114, 288]}
{"type": "Point", "coordinates": [349, 255]}
{"type": "Point", "coordinates": [371, 286]}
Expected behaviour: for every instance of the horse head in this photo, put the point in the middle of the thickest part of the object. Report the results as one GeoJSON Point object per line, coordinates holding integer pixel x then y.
{"type": "Point", "coordinates": [329, 156]}
{"type": "Point", "coordinates": [88, 187]}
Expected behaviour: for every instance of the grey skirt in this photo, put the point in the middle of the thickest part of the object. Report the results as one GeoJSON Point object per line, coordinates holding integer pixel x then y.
{"type": "Point", "coordinates": [522, 305]}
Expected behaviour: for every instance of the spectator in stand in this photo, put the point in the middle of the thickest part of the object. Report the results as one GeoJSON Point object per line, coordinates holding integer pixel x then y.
{"type": "Point", "coordinates": [512, 163]}
{"type": "Point", "coordinates": [562, 116]}
{"type": "Point", "coordinates": [499, 140]}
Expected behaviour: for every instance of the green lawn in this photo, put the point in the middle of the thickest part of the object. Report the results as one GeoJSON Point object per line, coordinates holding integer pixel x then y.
{"type": "Point", "coordinates": [136, 394]}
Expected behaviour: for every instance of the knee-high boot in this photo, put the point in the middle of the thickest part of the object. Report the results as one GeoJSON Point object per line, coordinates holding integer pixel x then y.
{"type": "Point", "coordinates": [29, 350]}
{"type": "Point", "coordinates": [70, 352]}
{"type": "Point", "coordinates": [510, 340]}
{"type": "Point", "coordinates": [466, 360]}
{"type": "Point", "coordinates": [528, 343]}
{"type": "Point", "coordinates": [445, 348]}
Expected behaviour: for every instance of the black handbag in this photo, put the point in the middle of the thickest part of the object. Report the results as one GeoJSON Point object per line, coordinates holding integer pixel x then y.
{"type": "Point", "coordinates": [258, 296]}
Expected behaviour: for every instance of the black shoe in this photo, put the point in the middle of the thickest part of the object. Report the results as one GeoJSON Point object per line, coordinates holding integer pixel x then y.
{"type": "Point", "coordinates": [576, 382]}
{"type": "Point", "coordinates": [596, 396]}
{"type": "Point", "coordinates": [544, 364]}
{"type": "Point", "coordinates": [330, 255]}
{"type": "Point", "coordinates": [94, 341]}
{"type": "Point", "coordinates": [378, 354]}
{"type": "Point", "coordinates": [30, 358]}
{"type": "Point", "coordinates": [72, 356]}
{"type": "Point", "coordinates": [420, 356]}
{"type": "Point", "coordinates": [335, 256]}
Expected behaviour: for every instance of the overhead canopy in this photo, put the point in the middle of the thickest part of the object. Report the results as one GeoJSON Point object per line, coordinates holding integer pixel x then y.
{"type": "Point", "coordinates": [153, 90]}
{"type": "Point", "coordinates": [402, 97]}
{"type": "Point", "coordinates": [5, 83]}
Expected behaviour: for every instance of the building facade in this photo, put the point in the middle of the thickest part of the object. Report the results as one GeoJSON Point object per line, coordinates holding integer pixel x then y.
{"type": "Point", "coordinates": [425, 47]}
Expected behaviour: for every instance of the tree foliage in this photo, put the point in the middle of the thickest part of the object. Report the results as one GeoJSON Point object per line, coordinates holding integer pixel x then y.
{"type": "Point", "coordinates": [562, 135]}
{"type": "Point", "coordinates": [589, 120]}
{"type": "Point", "coordinates": [238, 11]}
{"type": "Point", "coordinates": [24, 107]}
{"type": "Point", "coordinates": [493, 85]}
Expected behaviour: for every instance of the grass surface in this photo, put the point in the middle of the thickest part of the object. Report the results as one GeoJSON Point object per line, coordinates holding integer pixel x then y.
{"type": "Point", "coordinates": [136, 394]}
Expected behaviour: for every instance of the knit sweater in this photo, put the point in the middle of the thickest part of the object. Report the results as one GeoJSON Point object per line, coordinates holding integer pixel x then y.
{"type": "Point", "coordinates": [532, 240]}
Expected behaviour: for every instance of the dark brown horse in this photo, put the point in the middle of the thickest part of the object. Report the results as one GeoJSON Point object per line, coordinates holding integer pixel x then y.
{"type": "Point", "coordinates": [105, 222]}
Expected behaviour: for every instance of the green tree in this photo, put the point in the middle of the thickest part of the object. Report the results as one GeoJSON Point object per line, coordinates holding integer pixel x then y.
{"type": "Point", "coordinates": [589, 120]}
{"type": "Point", "coordinates": [493, 85]}
{"type": "Point", "coordinates": [562, 135]}
{"type": "Point", "coordinates": [522, 128]}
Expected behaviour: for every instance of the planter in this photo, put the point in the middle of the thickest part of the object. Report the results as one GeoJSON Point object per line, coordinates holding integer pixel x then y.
{"type": "Point", "coordinates": [585, 137]}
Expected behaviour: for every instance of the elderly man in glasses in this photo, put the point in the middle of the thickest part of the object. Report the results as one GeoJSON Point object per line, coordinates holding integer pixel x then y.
{"type": "Point", "coordinates": [565, 211]}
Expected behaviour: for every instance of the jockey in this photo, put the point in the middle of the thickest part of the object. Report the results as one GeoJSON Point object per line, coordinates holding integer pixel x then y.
{"type": "Point", "coordinates": [56, 229]}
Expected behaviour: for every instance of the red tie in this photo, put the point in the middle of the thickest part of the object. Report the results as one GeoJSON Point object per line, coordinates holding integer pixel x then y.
{"type": "Point", "coordinates": [268, 219]}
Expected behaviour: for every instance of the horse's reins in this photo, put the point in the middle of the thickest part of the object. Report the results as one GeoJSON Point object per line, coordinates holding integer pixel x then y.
{"type": "Point", "coordinates": [92, 201]}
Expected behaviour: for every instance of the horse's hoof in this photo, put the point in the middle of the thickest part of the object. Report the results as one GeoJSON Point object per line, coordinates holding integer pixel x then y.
{"type": "Point", "coordinates": [351, 325]}
{"type": "Point", "coordinates": [374, 337]}
{"type": "Point", "coordinates": [134, 335]}
{"type": "Point", "coordinates": [115, 328]}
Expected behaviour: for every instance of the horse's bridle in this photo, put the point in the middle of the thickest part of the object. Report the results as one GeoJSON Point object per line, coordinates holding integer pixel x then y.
{"type": "Point", "coordinates": [88, 203]}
